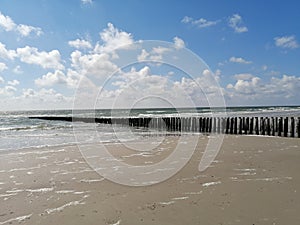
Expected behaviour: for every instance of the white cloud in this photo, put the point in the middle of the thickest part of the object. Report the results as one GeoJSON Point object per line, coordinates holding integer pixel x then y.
{"type": "Point", "coordinates": [113, 38]}
{"type": "Point", "coordinates": [250, 89]}
{"type": "Point", "coordinates": [156, 53]}
{"type": "Point", "coordinates": [58, 78]}
{"type": "Point", "coordinates": [47, 60]}
{"type": "Point", "coordinates": [264, 67]}
{"type": "Point", "coordinates": [6, 54]}
{"type": "Point", "coordinates": [80, 44]}
{"type": "Point", "coordinates": [187, 19]}
{"type": "Point", "coordinates": [98, 65]}
{"type": "Point", "coordinates": [243, 76]}
{"type": "Point", "coordinates": [179, 43]}
{"type": "Point", "coordinates": [200, 23]}
{"type": "Point", "coordinates": [236, 23]}
{"type": "Point", "coordinates": [6, 22]}
{"type": "Point", "coordinates": [1, 80]}
{"type": "Point", "coordinates": [17, 70]}
{"type": "Point", "coordinates": [7, 91]}
{"type": "Point", "coordinates": [50, 79]}
{"type": "Point", "coordinates": [13, 82]}
{"type": "Point", "coordinates": [87, 1]}
{"type": "Point", "coordinates": [24, 30]}
{"type": "Point", "coordinates": [2, 66]}
{"type": "Point", "coordinates": [39, 99]}
{"type": "Point", "coordinates": [239, 60]}
{"type": "Point", "coordinates": [286, 42]}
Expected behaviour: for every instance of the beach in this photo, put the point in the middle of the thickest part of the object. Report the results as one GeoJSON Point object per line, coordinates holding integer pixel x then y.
{"type": "Point", "coordinates": [253, 180]}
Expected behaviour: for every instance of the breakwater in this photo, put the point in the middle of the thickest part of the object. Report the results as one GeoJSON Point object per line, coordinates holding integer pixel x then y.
{"type": "Point", "coordinates": [270, 126]}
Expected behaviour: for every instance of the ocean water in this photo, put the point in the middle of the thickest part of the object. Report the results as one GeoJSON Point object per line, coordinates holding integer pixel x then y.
{"type": "Point", "coordinates": [18, 131]}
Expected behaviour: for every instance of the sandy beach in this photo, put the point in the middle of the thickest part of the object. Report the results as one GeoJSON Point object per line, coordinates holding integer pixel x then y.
{"type": "Point", "coordinates": [253, 180]}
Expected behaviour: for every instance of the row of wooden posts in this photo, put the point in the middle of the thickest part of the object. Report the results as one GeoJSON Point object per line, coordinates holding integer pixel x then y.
{"type": "Point", "coordinates": [272, 126]}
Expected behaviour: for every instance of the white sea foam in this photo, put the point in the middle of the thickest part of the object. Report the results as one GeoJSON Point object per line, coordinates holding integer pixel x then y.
{"type": "Point", "coordinates": [18, 219]}
{"type": "Point", "coordinates": [60, 208]}
{"type": "Point", "coordinates": [211, 183]}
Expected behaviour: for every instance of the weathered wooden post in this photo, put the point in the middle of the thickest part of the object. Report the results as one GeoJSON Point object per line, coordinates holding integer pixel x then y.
{"type": "Point", "coordinates": [227, 125]}
{"type": "Point", "coordinates": [273, 126]}
{"type": "Point", "coordinates": [292, 127]}
{"type": "Point", "coordinates": [286, 127]}
{"type": "Point", "coordinates": [214, 125]}
{"type": "Point", "coordinates": [219, 125]}
{"type": "Point", "coordinates": [231, 125]}
{"type": "Point", "coordinates": [251, 125]}
{"type": "Point", "coordinates": [247, 125]}
{"type": "Point", "coordinates": [241, 126]}
{"type": "Point", "coordinates": [298, 127]}
{"type": "Point", "coordinates": [280, 120]}
{"type": "Point", "coordinates": [262, 126]}
{"type": "Point", "coordinates": [235, 125]}
{"type": "Point", "coordinates": [268, 127]}
{"type": "Point", "coordinates": [200, 124]}
{"type": "Point", "coordinates": [256, 126]}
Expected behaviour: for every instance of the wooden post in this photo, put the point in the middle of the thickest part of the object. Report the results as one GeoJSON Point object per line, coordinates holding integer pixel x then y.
{"type": "Point", "coordinates": [227, 125]}
{"type": "Point", "coordinates": [241, 126]}
{"type": "Point", "coordinates": [279, 126]}
{"type": "Point", "coordinates": [262, 125]}
{"type": "Point", "coordinates": [247, 125]}
{"type": "Point", "coordinates": [214, 125]}
{"type": "Point", "coordinates": [273, 126]}
{"type": "Point", "coordinates": [231, 125]}
{"type": "Point", "coordinates": [203, 124]}
{"type": "Point", "coordinates": [298, 127]}
{"type": "Point", "coordinates": [219, 125]}
{"type": "Point", "coordinates": [251, 125]}
{"type": "Point", "coordinates": [235, 125]}
{"type": "Point", "coordinates": [268, 127]}
{"type": "Point", "coordinates": [256, 126]}
{"type": "Point", "coordinates": [292, 127]}
{"type": "Point", "coordinates": [200, 124]}
{"type": "Point", "coordinates": [286, 127]}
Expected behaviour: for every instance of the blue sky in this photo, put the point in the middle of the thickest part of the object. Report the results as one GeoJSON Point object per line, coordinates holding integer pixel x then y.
{"type": "Point", "coordinates": [252, 47]}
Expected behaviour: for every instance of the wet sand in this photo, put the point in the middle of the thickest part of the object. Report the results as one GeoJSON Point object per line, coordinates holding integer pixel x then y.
{"type": "Point", "coordinates": [253, 180]}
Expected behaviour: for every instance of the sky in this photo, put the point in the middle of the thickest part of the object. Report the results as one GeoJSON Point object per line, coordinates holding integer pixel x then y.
{"type": "Point", "coordinates": [53, 51]}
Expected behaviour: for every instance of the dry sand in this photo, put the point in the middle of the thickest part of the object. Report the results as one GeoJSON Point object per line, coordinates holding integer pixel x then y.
{"type": "Point", "coordinates": [253, 180]}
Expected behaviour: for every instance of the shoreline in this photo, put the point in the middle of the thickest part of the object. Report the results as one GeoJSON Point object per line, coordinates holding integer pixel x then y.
{"type": "Point", "coordinates": [253, 180]}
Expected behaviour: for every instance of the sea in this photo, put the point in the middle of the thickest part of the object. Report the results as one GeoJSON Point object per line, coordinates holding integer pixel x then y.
{"type": "Point", "coordinates": [19, 131]}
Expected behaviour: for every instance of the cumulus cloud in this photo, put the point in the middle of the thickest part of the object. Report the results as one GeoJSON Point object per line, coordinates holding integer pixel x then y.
{"type": "Point", "coordinates": [17, 70]}
{"type": "Point", "coordinates": [156, 53]}
{"type": "Point", "coordinates": [24, 30]}
{"type": "Point", "coordinates": [97, 64]}
{"type": "Point", "coordinates": [6, 22]}
{"type": "Point", "coordinates": [236, 23]}
{"type": "Point", "coordinates": [2, 66]}
{"type": "Point", "coordinates": [5, 53]}
{"type": "Point", "coordinates": [47, 60]}
{"type": "Point", "coordinates": [200, 23]}
{"type": "Point", "coordinates": [112, 39]}
{"type": "Point", "coordinates": [179, 43]}
{"type": "Point", "coordinates": [87, 2]}
{"type": "Point", "coordinates": [71, 79]}
{"type": "Point", "coordinates": [50, 79]}
{"type": "Point", "coordinates": [13, 82]}
{"type": "Point", "coordinates": [7, 91]}
{"type": "Point", "coordinates": [250, 89]}
{"type": "Point", "coordinates": [239, 60]}
{"type": "Point", "coordinates": [80, 44]}
{"type": "Point", "coordinates": [1, 80]}
{"type": "Point", "coordinates": [288, 42]}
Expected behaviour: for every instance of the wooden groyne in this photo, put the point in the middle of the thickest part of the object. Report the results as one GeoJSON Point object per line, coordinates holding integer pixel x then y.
{"type": "Point", "coordinates": [270, 126]}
